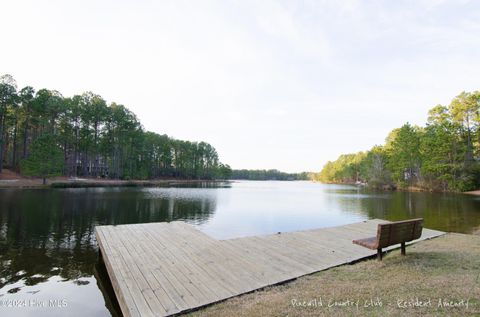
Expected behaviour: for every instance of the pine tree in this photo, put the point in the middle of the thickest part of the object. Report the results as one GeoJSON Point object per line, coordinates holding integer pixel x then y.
{"type": "Point", "coordinates": [45, 160]}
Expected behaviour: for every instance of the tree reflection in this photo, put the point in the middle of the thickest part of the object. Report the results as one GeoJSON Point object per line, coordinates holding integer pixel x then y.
{"type": "Point", "coordinates": [441, 211]}
{"type": "Point", "coordinates": [45, 233]}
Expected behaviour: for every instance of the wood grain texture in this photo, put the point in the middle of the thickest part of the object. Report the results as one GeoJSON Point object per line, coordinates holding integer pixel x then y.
{"type": "Point", "coordinates": [160, 269]}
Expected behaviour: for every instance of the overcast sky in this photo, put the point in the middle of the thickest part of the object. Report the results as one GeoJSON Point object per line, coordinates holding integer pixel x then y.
{"type": "Point", "coordinates": [270, 84]}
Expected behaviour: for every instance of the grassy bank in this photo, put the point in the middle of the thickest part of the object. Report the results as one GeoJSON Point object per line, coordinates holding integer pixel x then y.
{"type": "Point", "coordinates": [438, 277]}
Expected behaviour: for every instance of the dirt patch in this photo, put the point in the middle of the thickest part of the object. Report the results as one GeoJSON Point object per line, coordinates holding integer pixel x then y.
{"type": "Point", "coordinates": [7, 174]}
{"type": "Point", "coordinates": [438, 277]}
{"type": "Point", "coordinates": [473, 192]}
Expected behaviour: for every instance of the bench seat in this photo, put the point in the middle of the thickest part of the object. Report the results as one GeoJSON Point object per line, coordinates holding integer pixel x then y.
{"type": "Point", "coordinates": [392, 233]}
{"type": "Point", "coordinates": [370, 243]}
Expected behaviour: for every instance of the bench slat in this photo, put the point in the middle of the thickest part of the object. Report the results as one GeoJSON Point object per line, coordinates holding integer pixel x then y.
{"type": "Point", "coordinates": [397, 232]}
{"type": "Point", "coordinates": [393, 233]}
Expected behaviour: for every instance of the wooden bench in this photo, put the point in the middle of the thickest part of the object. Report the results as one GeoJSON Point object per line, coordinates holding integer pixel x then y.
{"type": "Point", "coordinates": [393, 233]}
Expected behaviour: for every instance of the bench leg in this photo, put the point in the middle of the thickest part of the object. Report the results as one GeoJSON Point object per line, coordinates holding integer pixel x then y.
{"type": "Point", "coordinates": [379, 254]}
{"type": "Point", "coordinates": [402, 247]}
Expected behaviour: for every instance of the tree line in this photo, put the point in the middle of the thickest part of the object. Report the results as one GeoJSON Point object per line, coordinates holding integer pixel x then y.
{"type": "Point", "coordinates": [271, 174]}
{"type": "Point", "coordinates": [43, 133]}
{"type": "Point", "coordinates": [444, 155]}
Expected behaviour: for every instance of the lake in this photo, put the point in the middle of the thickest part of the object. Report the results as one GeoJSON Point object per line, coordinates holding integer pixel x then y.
{"type": "Point", "coordinates": [49, 257]}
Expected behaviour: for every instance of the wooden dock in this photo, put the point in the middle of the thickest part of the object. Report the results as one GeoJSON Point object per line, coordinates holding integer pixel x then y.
{"type": "Point", "coordinates": [160, 269]}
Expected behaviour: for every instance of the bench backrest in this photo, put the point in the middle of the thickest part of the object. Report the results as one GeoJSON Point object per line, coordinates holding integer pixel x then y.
{"type": "Point", "coordinates": [398, 232]}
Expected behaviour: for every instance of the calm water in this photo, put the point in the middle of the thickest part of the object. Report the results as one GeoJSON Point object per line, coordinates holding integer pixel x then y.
{"type": "Point", "coordinates": [49, 256]}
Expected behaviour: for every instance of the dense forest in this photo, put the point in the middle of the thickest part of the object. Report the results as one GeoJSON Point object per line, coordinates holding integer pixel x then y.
{"type": "Point", "coordinates": [262, 175]}
{"type": "Point", "coordinates": [443, 156]}
{"type": "Point", "coordinates": [43, 133]}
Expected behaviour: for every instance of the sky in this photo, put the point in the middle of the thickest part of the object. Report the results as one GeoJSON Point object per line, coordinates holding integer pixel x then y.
{"type": "Point", "coordinates": [270, 84]}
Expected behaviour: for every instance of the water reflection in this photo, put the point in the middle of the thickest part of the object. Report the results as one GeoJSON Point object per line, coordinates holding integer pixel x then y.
{"type": "Point", "coordinates": [441, 211]}
{"type": "Point", "coordinates": [47, 237]}
{"type": "Point", "coordinates": [48, 248]}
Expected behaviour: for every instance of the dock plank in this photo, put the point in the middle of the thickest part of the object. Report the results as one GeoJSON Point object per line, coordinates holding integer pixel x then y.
{"type": "Point", "coordinates": [197, 277]}
{"type": "Point", "coordinates": [161, 269]}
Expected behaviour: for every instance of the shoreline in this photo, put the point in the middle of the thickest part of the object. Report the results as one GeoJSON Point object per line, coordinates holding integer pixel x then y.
{"type": "Point", "coordinates": [64, 182]}
{"type": "Point", "coordinates": [410, 189]}
{"type": "Point", "coordinates": [15, 181]}
{"type": "Point", "coordinates": [473, 192]}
